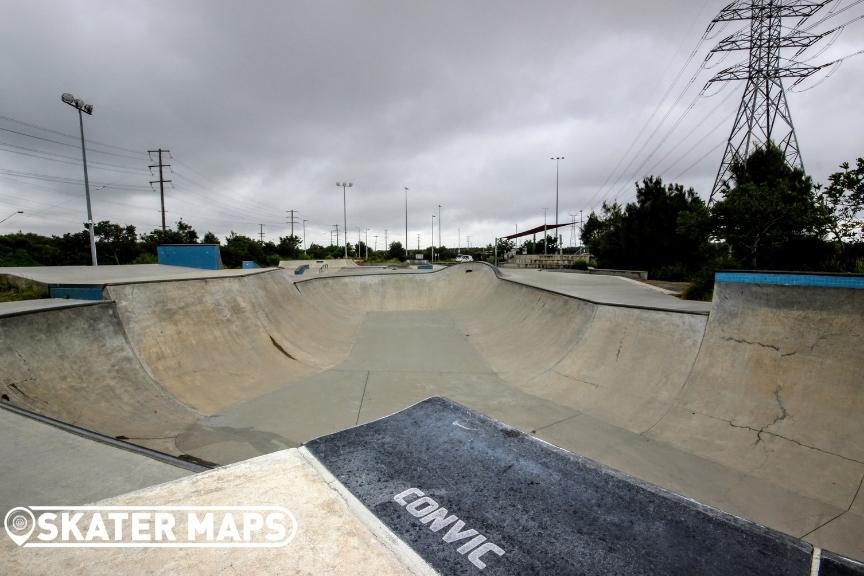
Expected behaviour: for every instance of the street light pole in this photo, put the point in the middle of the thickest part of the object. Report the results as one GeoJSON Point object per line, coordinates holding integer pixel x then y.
{"type": "Point", "coordinates": [344, 185]}
{"type": "Point", "coordinates": [11, 215]}
{"type": "Point", "coordinates": [439, 225]}
{"type": "Point", "coordinates": [88, 108]}
{"type": "Point", "coordinates": [406, 222]}
{"type": "Point", "coordinates": [557, 159]}
{"type": "Point", "coordinates": [304, 235]}
{"type": "Point", "coordinates": [433, 239]}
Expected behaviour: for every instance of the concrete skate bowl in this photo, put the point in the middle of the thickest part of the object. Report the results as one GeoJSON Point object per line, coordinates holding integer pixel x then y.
{"type": "Point", "coordinates": [754, 409]}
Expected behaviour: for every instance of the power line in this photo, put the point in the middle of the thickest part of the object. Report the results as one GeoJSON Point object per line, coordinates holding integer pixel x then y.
{"type": "Point", "coordinates": [64, 180]}
{"type": "Point", "coordinates": [71, 136]}
{"type": "Point", "coordinates": [657, 108]}
{"type": "Point", "coordinates": [63, 159]}
{"type": "Point", "coordinates": [76, 146]}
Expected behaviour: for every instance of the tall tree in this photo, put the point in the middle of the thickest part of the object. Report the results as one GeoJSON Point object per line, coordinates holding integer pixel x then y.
{"type": "Point", "coordinates": [665, 231]}
{"type": "Point", "coordinates": [770, 211]}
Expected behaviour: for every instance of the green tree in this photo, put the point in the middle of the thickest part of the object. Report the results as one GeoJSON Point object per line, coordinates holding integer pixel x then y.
{"type": "Point", "coordinates": [665, 231]}
{"type": "Point", "coordinates": [238, 248]}
{"type": "Point", "coordinates": [116, 243]}
{"type": "Point", "coordinates": [317, 251]}
{"type": "Point", "coordinates": [503, 246]}
{"type": "Point", "coordinates": [71, 249]}
{"type": "Point", "coordinates": [770, 213]}
{"type": "Point", "coordinates": [289, 247]}
{"type": "Point", "coordinates": [210, 238]}
{"type": "Point", "coordinates": [182, 234]}
{"type": "Point", "coordinates": [396, 251]}
{"type": "Point", "coordinates": [844, 198]}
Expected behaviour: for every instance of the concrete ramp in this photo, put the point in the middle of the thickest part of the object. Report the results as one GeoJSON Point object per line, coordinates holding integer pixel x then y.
{"type": "Point", "coordinates": [777, 389]}
{"type": "Point", "coordinates": [76, 365]}
{"type": "Point", "coordinates": [753, 409]}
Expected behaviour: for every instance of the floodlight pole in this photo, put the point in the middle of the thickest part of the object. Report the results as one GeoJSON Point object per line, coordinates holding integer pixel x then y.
{"type": "Point", "coordinates": [432, 254]}
{"type": "Point", "coordinates": [406, 223]}
{"type": "Point", "coordinates": [82, 107]}
{"type": "Point", "coordinates": [11, 215]}
{"type": "Point", "coordinates": [344, 185]}
{"type": "Point", "coordinates": [439, 225]}
{"type": "Point", "coordinates": [87, 191]}
{"type": "Point", "coordinates": [556, 159]}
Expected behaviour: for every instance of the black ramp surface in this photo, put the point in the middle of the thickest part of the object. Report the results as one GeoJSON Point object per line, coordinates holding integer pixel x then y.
{"type": "Point", "coordinates": [833, 565]}
{"type": "Point", "coordinates": [473, 496]}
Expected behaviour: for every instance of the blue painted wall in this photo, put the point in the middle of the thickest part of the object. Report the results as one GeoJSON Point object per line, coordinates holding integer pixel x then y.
{"type": "Point", "coordinates": [76, 292]}
{"type": "Point", "coordinates": [793, 279]}
{"type": "Point", "coordinates": [204, 256]}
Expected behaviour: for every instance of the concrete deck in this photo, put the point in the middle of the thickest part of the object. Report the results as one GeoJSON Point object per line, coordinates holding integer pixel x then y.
{"type": "Point", "coordinates": [603, 289]}
{"type": "Point", "coordinates": [108, 274]}
{"type": "Point", "coordinates": [32, 454]}
{"type": "Point", "coordinates": [26, 306]}
{"type": "Point", "coordinates": [332, 538]}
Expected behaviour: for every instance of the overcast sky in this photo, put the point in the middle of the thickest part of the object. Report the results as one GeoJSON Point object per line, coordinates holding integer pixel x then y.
{"type": "Point", "coordinates": [266, 105]}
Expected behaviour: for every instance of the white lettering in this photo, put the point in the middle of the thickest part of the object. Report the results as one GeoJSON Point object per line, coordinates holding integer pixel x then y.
{"type": "Point", "coordinates": [228, 529]}
{"type": "Point", "coordinates": [400, 498]}
{"type": "Point", "coordinates": [69, 526]}
{"type": "Point", "coordinates": [454, 534]}
{"type": "Point", "coordinates": [473, 543]}
{"type": "Point", "coordinates": [275, 523]}
{"type": "Point", "coordinates": [252, 522]}
{"type": "Point", "coordinates": [97, 529]}
{"type": "Point", "coordinates": [426, 502]}
{"type": "Point", "coordinates": [439, 519]}
{"type": "Point", "coordinates": [435, 516]}
{"type": "Point", "coordinates": [140, 526]}
{"type": "Point", "coordinates": [48, 531]}
{"type": "Point", "coordinates": [163, 526]}
{"type": "Point", "coordinates": [117, 518]}
{"type": "Point", "coordinates": [474, 557]}
{"type": "Point", "coordinates": [200, 526]}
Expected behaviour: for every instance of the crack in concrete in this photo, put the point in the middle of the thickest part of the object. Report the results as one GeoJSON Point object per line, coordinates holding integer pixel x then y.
{"type": "Point", "coordinates": [760, 431]}
{"type": "Point", "coordinates": [362, 398]}
{"type": "Point", "coordinates": [783, 413]}
{"type": "Point", "coordinates": [752, 343]}
{"type": "Point", "coordinates": [559, 373]}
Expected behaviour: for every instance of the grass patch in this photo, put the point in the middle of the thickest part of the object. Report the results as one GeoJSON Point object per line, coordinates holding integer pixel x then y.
{"type": "Point", "coordinates": [10, 292]}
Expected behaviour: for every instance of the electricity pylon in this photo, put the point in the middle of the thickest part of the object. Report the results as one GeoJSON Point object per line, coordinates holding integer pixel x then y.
{"type": "Point", "coordinates": [763, 114]}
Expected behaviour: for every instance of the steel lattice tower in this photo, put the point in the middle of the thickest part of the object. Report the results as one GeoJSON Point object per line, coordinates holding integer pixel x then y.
{"type": "Point", "coordinates": [763, 114]}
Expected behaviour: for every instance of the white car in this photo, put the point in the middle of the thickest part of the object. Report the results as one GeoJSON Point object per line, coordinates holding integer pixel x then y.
{"type": "Point", "coordinates": [464, 258]}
